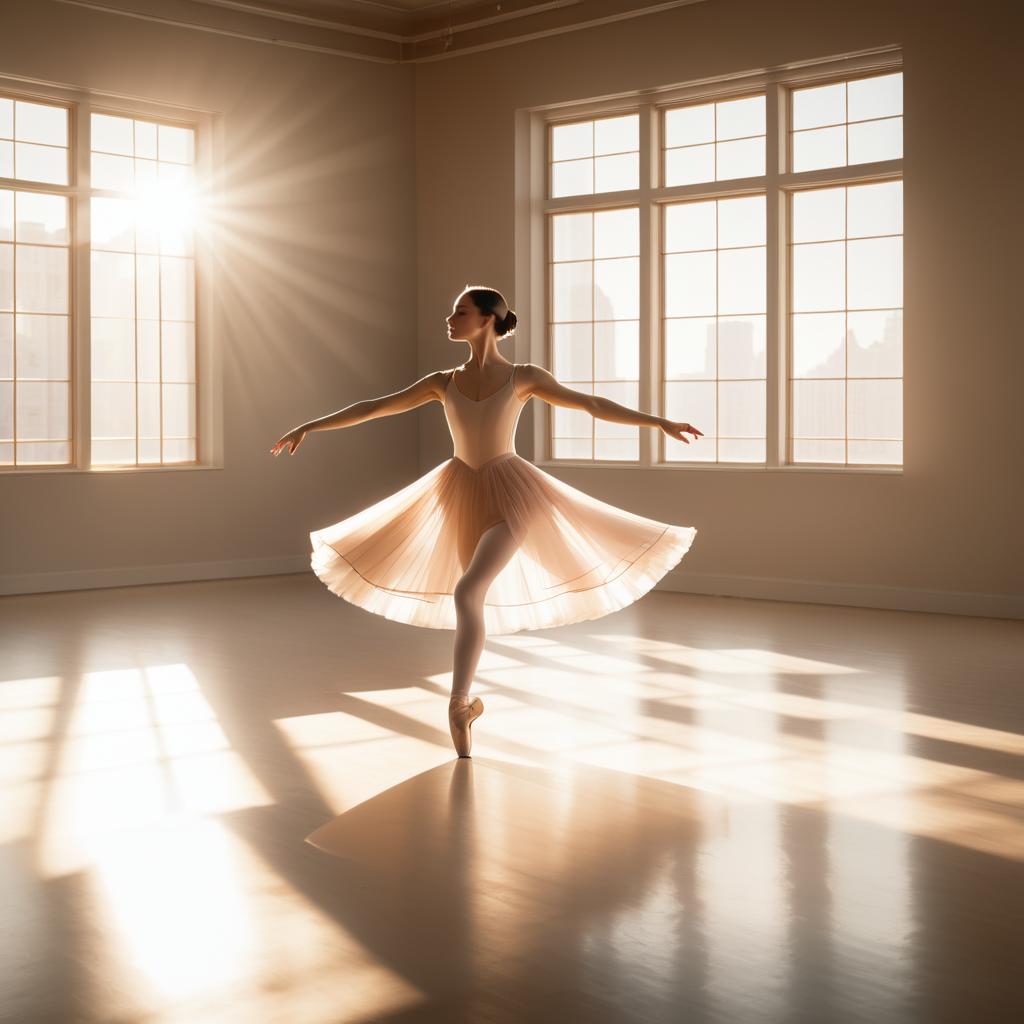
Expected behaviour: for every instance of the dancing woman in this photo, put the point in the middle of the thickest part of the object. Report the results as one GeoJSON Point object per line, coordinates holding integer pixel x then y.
{"type": "Point", "coordinates": [486, 542]}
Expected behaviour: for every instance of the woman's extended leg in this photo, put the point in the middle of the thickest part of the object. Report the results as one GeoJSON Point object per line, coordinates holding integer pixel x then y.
{"type": "Point", "coordinates": [493, 551]}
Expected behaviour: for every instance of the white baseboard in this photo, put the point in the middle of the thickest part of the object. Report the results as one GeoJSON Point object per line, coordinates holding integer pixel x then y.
{"type": "Point", "coordinates": [139, 575]}
{"type": "Point", "coordinates": [856, 595]}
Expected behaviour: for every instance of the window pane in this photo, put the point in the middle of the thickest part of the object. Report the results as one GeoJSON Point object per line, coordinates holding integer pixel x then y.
{"type": "Point", "coordinates": [845, 106]}
{"type": "Point", "coordinates": [819, 215]}
{"type": "Point", "coordinates": [819, 277]}
{"type": "Point", "coordinates": [570, 141]}
{"type": "Point", "coordinates": [179, 410]}
{"type": "Point", "coordinates": [112, 222]}
{"type": "Point", "coordinates": [690, 349]}
{"type": "Point", "coordinates": [147, 283]}
{"type": "Point", "coordinates": [572, 347]}
{"type": "Point", "coordinates": [178, 348]}
{"type": "Point", "coordinates": [694, 402]}
{"type": "Point", "coordinates": [42, 412]}
{"type": "Point", "coordinates": [617, 233]}
{"type": "Point", "coordinates": [44, 453]}
{"type": "Point", "coordinates": [737, 119]}
{"type": "Point", "coordinates": [42, 347]}
{"type": "Point", "coordinates": [42, 218]}
{"type": "Point", "coordinates": [742, 159]}
{"type": "Point", "coordinates": [819, 105]}
{"type": "Point", "coordinates": [175, 144]}
{"type": "Point", "coordinates": [7, 411]}
{"type": "Point", "coordinates": [690, 226]}
{"type": "Point", "coordinates": [741, 408]}
{"type": "Point", "coordinates": [573, 178]}
{"type": "Point", "coordinates": [572, 236]}
{"type": "Point", "coordinates": [876, 140]}
{"type": "Point", "coordinates": [177, 288]}
{"type": "Point", "coordinates": [6, 276]}
{"type": "Point", "coordinates": [616, 173]}
{"type": "Point", "coordinates": [875, 341]}
{"type": "Point", "coordinates": [617, 289]}
{"type": "Point", "coordinates": [688, 166]}
{"type": "Point", "coordinates": [879, 96]}
{"type": "Point", "coordinates": [875, 409]}
{"type": "Point", "coordinates": [111, 134]}
{"type": "Point", "coordinates": [41, 163]}
{"type": "Point", "coordinates": [145, 140]}
{"type": "Point", "coordinates": [741, 280]}
{"type": "Point", "coordinates": [875, 209]}
{"type": "Point", "coordinates": [6, 159]}
{"type": "Point", "coordinates": [824, 147]}
{"type": "Point", "coordinates": [179, 449]}
{"type": "Point", "coordinates": [147, 349]}
{"type": "Point", "coordinates": [113, 453]}
{"type": "Point", "coordinates": [113, 411]}
{"type": "Point", "coordinates": [113, 349]}
{"type": "Point", "coordinates": [42, 276]}
{"type": "Point", "coordinates": [40, 122]}
{"type": "Point", "coordinates": [875, 276]}
{"type": "Point", "coordinates": [819, 408]}
{"type": "Point", "coordinates": [818, 348]}
{"type": "Point", "coordinates": [741, 221]}
{"type": "Point", "coordinates": [113, 284]}
{"type": "Point", "coordinates": [6, 346]}
{"type": "Point", "coordinates": [742, 348]}
{"type": "Point", "coordinates": [6, 119]}
{"type": "Point", "coordinates": [690, 284]}
{"type": "Point", "coordinates": [112, 172]}
{"type": "Point", "coordinates": [617, 350]}
{"type": "Point", "coordinates": [149, 412]}
{"type": "Point", "coordinates": [689, 126]}
{"type": "Point", "coordinates": [617, 134]}
{"type": "Point", "coordinates": [573, 297]}
{"type": "Point", "coordinates": [6, 215]}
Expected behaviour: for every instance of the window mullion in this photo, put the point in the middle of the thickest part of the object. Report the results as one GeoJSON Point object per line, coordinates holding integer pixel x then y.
{"type": "Point", "coordinates": [776, 284]}
{"type": "Point", "coordinates": [81, 287]}
{"type": "Point", "coordinates": [647, 393]}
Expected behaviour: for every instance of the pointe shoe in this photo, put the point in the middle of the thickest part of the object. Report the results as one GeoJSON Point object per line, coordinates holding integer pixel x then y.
{"type": "Point", "coordinates": [462, 712]}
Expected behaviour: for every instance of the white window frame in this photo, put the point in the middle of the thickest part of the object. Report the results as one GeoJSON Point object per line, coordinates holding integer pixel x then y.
{"type": "Point", "coordinates": [209, 150]}
{"type": "Point", "coordinates": [532, 216]}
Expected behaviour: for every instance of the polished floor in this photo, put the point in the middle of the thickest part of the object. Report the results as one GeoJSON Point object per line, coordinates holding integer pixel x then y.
{"type": "Point", "coordinates": [237, 801]}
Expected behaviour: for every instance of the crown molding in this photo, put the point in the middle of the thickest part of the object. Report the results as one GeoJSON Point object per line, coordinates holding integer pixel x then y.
{"type": "Point", "coordinates": [399, 32]}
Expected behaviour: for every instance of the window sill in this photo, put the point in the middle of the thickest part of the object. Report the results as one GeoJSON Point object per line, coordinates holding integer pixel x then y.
{"type": "Point", "coordinates": [53, 470]}
{"type": "Point", "coordinates": [717, 468]}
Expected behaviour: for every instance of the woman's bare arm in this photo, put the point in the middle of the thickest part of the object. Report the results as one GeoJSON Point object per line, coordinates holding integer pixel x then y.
{"type": "Point", "coordinates": [541, 384]}
{"type": "Point", "coordinates": [426, 389]}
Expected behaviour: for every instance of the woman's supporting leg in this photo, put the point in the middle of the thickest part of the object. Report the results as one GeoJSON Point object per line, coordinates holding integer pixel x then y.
{"type": "Point", "coordinates": [493, 551]}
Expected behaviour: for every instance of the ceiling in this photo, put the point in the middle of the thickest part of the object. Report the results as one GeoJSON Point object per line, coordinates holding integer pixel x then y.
{"type": "Point", "coordinates": [389, 31]}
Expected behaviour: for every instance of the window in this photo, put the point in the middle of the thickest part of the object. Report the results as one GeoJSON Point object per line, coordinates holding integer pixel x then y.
{"type": "Point", "coordinates": [730, 256]}
{"type": "Point", "coordinates": [98, 353]}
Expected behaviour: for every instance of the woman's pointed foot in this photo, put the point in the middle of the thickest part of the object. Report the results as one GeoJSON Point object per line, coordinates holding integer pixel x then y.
{"type": "Point", "coordinates": [463, 711]}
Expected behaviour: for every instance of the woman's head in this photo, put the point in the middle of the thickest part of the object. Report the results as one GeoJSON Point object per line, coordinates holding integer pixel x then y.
{"type": "Point", "coordinates": [477, 309]}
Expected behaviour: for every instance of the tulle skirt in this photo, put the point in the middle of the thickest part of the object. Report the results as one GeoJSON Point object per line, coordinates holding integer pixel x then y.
{"type": "Point", "coordinates": [578, 558]}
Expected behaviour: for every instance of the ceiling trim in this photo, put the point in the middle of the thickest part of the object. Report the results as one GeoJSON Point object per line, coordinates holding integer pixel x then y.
{"type": "Point", "coordinates": [417, 38]}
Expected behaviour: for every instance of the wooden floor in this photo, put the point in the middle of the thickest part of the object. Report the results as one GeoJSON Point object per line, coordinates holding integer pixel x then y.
{"type": "Point", "coordinates": [696, 809]}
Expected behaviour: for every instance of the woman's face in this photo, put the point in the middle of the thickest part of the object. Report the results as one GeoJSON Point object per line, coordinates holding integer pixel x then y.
{"type": "Point", "coordinates": [465, 319]}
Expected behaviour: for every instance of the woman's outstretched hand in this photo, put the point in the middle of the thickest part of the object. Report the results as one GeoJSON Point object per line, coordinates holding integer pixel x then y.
{"type": "Point", "coordinates": [291, 440]}
{"type": "Point", "coordinates": [677, 430]}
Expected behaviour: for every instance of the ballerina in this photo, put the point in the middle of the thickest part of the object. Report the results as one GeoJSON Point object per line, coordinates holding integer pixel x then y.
{"type": "Point", "coordinates": [486, 542]}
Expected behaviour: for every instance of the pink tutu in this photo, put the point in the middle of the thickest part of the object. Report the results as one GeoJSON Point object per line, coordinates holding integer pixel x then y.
{"type": "Point", "coordinates": [578, 558]}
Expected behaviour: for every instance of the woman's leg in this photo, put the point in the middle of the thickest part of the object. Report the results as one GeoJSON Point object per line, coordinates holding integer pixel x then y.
{"type": "Point", "coordinates": [493, 551]}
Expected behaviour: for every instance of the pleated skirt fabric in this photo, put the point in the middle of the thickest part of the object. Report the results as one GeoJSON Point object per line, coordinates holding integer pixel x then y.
{"type": "Point", "coordinates": [578, 558]}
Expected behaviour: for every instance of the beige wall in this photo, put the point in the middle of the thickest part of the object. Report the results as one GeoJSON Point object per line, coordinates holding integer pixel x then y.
{"type": "Point", "coordinates": [951, 522]}
{"type": "Point", "coordinates": [345, 192]}
{"type": "Point", "coordinates": [319, 237]}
